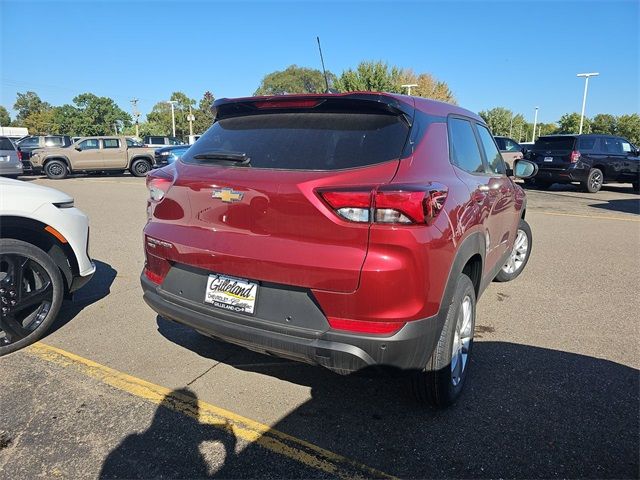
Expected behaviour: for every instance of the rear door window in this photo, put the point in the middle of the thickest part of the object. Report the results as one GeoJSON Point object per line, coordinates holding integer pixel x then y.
{"type": "Point", "coordinates": [306, 140]}
{"type": "Point", "coordinates": [464, 152]}
{"type": "Point", "coordinates": [30, 142]}
{"type": "Point", "coordinates": [587, 144]}
{"type": "Point", "coordinates": [111, 143]}
{"type": "Point", "coordinates": [494, 159]}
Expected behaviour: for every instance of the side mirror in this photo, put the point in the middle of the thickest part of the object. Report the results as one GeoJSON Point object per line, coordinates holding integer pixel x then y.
{"type": "Point", "coordinates": [524, 169]}
{"type": "Point", "coordinates": [79, 149]}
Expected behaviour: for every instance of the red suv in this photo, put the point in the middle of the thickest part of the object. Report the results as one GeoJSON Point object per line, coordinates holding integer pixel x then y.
{"type": "Point", "coordinates": [348, 231]}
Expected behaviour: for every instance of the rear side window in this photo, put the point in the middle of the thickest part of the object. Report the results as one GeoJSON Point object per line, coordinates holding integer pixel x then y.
{"type": "Point", "coordinates": [111, 143]}
{"type": "Point", "coordinates": [554, 143]}
{"type": "Point", "coordinates": [305, 140]}
{"type": "Point", "coordinates": [587, 144]}
{"type": "Point", "coordinates": [494, 159]}
{"type": "Point", "coordinates": [465, 153]}
{"type": "Point", "coordinates": [611, 145]}
{"type": "Point", "coordinates": [6, 144]}
{"type": "Point", "coordinates": [156, 140]}
{"type": "Point", "coordinates": [53, 141]}
{"type": "Point", "coordinates": [30, 142]}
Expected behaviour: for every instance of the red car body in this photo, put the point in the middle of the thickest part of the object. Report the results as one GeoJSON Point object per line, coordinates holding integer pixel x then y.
{"type": "Point", "coordinates": [331, 291]}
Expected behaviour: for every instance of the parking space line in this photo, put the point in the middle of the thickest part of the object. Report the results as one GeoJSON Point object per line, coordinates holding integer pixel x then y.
{"type": "Point", "coordinates": [244, 428]}
{"type": "Point", "coordinates": [603, 217]}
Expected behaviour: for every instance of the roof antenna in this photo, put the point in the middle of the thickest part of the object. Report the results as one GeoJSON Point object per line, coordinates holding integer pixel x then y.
{"type": "Point", "coordinates": [326, 79]}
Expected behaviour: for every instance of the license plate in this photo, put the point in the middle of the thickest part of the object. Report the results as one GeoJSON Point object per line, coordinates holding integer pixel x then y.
{"type": "Point", "coordinates": [4, 159]}
{"type": "Point", "coordinates": [229, 293]}
{"type": "Point", "coordinates": [548, 159]}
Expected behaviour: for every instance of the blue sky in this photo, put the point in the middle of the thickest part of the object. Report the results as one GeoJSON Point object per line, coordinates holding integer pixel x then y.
{"type": "Point", "coordinates": [515, 54]}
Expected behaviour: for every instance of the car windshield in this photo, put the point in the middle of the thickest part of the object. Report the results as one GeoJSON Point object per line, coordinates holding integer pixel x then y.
{"type": "Point", "coordinates": [305, 141]}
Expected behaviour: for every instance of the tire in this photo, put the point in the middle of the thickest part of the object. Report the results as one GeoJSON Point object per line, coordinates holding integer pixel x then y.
{"type": "Point", "coordinates": [140, 167]}
{"type": "Point", "coordinates": [440, 383]}
{"type": "Point", "coordinates": [21, 328]}
{"type": "Point", "coordinates": [56, 169]}
{"type": "Point", "coordinates": [636, 187]}
{"type": "Point", "coordinates": [519, 254]}
{"type": "Point", "coordinates": [594, 181]}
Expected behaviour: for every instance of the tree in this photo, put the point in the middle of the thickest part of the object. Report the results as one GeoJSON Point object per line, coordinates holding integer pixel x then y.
{"type": "Point", "coordinates": [370, 77]}
{"type": "Point", "coordinates": [203, 114]}
{"type": "Point", "coordinates": [629, 127]}
{"type": "Point", "coordinates": [570, 123]}
{"type": "Point", "coordinates": [428, 86]}
{"type": "Point", "coordinates": [5, 119]}
{"type": "Point", "coordinates": [160, 115]}
{"type": "Point", "coordinates": [91, 115]}
{"type": "Point", "coordinates": [27, 104]}
{"type": "Point", "coordinates": [604, 123]}
{"type": "Point", "coordinates": [40, 123]}
{"type": "Point", "coordinates": [294, 79]}
{"type": "Point", "coordinates": [498, 120]}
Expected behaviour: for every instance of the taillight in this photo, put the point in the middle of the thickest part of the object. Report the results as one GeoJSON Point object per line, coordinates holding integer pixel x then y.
{"type": "Point", "coordinates": [158, 187]}
{"type": "Point", "coordinates": [575, 156]}
{"type": "Point", "coordinates": [278, 103]}
{"type": "Point", "coordinates": [390, 204]}
{"type": "Point", "coordinates": [19, 155]}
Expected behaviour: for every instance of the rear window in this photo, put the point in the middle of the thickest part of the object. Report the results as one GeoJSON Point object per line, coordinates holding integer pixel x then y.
{"type": "Point", "coordinates": [6, 144]}
{"type": "Point", "coordinates": [53, 141]}
{"type": "Point", "coordinates": [586, 143]}
{"type": "Point", "coordinates": [306, 141]}
{"type": "Point", "coordinates": [554, 143]}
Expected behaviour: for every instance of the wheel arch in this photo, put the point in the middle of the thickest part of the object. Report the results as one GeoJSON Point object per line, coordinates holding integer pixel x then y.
{"type": "Point", "coordinates": [146, 158]}
{"type": "Point", "coordinates": [33, 232]}
{"type": "Point", "coordinates": [57, 157]}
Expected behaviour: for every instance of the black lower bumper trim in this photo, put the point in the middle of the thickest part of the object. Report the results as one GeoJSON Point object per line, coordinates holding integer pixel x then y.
{"type": "Point", "coordinates": [408, 349]}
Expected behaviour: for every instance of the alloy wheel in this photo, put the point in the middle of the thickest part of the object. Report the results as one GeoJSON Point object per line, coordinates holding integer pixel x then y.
{"type": "Point", "coordinates": [518, 254]}
{"type": "Point", "coordinates": [26, 296]}
{"type": "Point", "coordinates": [462, 340]}
{"type": "Point", "coordinates": [595, 180]}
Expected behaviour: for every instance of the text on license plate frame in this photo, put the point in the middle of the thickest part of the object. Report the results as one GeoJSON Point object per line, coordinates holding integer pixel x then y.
{"type": "Point", "coordinates": [233, 294]}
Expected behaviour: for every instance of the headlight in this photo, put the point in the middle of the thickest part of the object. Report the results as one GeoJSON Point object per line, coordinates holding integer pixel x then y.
{"type": "Point", "coordinates": [165, 154]}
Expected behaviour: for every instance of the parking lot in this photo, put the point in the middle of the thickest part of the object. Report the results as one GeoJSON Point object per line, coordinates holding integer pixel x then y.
{"type": "Point", "coordinates": [117, 392]}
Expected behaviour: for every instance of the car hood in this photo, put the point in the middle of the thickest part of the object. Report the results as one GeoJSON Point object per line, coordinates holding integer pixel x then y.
{"type": "Point", "coordinates": [28, 194]}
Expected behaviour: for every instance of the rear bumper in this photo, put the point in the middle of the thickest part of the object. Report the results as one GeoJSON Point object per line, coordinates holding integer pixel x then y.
{"type": "Point", "coordinates": [408, 349]}
{"type": "Point", "coordinates": [567, 175]}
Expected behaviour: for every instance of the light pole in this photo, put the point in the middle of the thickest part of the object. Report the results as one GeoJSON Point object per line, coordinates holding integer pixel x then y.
{"type": "Point", "coordinates": [191, 117]}
{"type": "Point", "coordinates": [173, 115]}
{"type": "Point", "coordinates": [584, 96]}
{"type": "Point", "coordinates": [510, 124]}
{"type": "Point", "coordinates": [409, 86]}
{"type": "Point", "coordinates": [535, 124]}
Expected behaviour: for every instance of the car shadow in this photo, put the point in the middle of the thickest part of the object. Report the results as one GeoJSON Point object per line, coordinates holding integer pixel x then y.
{"type": "Point", "coordinates": [527, 412]}
{"type": "Point", "coordinates": [628, 205]}
{"type": "Point", "coordinates": [96, 289]}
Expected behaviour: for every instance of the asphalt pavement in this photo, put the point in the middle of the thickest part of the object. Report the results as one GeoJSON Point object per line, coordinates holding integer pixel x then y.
{"type": "Point", "coordinates": [116, 392]}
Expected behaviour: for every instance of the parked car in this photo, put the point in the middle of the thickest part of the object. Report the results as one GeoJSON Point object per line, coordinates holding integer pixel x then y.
{"type": "Point", "coordinates": [338, 230]}
{"type": "Point", "coordinates": [94, 154]}
{"type": "Point", "coordinates": [33, 142]}
{"type": "Point", "coordinates": [526, 146]}
{"type": "Point", "coordinates": [43, 257]}
{"type": "Point", "coordinates": [510, 150]}
{"type": "Point", "coordinates": [159, 141]}
{"type": "Point", "coordinates": [166, 155]}
{"type": "Point", "coordinates": [10, 159]}
{"type": "Point", "coordinates": [591, 160]}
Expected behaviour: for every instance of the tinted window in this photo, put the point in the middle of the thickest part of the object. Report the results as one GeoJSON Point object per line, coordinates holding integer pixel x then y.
{"type": "Point", "coordinates": [156, 140]}
{"type": "Point", "coordinates": [554, 143]}
{"type": "Point", "coordinates": [500, 142]}
{"type": "Point", "coordinates": [586, 144]}
{"type": "Point", "coordinates": [306, 141]}
{"type": "Point", "coordinates": [53, 141]}
{"type": "Point", "coordinates": [494, 159]}
{"type": "Point", "coordinates": [29, 142]}
{"type": "Point", "coordinates": [511, 146]}
{"type": "Point", "coordinates": [6, 144]}
{"type": "Point", "coordinates": [611, 145]}
{"type": "Point", "coordinates": [111, 143]}
{"type": "Point", "coordinates": [464, 147]}
{"type": "Point", "coordinates": [89, 144]}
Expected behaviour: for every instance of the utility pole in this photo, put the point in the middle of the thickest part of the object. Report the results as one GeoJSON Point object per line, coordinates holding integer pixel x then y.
{"type": "Point", "coordinates": [136, 114]}
{"type": "Point", "coordinates": [409, 86]}
{"type": "Point", "coordinates": [510, 124]}
{"type": "Point", "coordinates": [535, 124]}
{"type": "Point", "coordinates": [191, 118]}
{"type": "Point", "coordinates": [584, 96]}
{"type": "Point", "coordinates": [173, 115]}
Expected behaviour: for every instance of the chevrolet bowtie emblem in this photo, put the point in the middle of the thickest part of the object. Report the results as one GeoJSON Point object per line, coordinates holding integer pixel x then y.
{"type": "Point", "coordinates": [227, 195]}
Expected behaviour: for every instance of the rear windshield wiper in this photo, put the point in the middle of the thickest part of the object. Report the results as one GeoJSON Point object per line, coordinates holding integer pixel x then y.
{"type": "Point", "coordinates": [236, 157]}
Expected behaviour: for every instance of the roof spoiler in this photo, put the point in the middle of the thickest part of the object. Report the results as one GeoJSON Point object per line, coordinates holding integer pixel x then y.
{"type": "Point", "coordinates": [231, 107]}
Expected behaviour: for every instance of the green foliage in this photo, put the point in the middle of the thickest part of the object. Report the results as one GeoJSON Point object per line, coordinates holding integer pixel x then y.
{"type": "Point", "coordinates": [160, 116]}
{"type": "Point", "coordinates": [570, 123]}
{"type": "Point", "coordinates": [370, 77]}
{"type": "Point", "coordinates": [27, 104]}
{"type": "Point", "coordinates": [203, 114]}
{"type": "Point", "coordinates": [294, 79]}
{"type": "Point", "coordinates": [629, 127]}
{"type": "Point", "coordinates": [91, 115]}
{"type": "Point", "coordinates": [5, 119]}
{"type": "Point", "coordinates": [40, 123]}
{"type": "Point", "coordinates": [427, 86]}
{"type": "Point", "coordinates": [604, 123]}
{"type": "Point", "coordinates": [498, 120]}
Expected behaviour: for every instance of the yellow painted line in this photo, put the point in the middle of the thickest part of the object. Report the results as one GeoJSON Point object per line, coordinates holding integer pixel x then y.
{"type": "Point", "coordinates": [603, 217]}
{"type": "Point", "coordinates": [243, 428]}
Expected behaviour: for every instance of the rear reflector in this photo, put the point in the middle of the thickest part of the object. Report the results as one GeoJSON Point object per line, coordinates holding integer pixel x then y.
{"type": "Point", "coordinates": [360, 326]}
{"type": "Point", "coordinates": [154, 277]}
{"type": "Point", "coordinates": [392, 204]}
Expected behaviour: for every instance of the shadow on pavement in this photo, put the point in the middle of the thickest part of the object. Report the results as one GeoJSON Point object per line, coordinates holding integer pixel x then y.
{"type": "Point", "coordinates": [527, 412]}
{"type": "Point", "coordinates": [98, 287]}
{"type": "Point", "coordinates": [628, 205]}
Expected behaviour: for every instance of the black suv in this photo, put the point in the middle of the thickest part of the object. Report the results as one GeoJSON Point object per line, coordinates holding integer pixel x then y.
{"type": "Point", "coordinates": [160, 141]}
{"type": "Point", "coordinates": [28, 144]}
{"type": "Point", "coordinates": [590, 160]}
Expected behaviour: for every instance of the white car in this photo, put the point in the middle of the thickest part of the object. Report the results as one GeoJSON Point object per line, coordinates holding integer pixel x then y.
{"type": "Point", "coordinates": [43, 257]}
